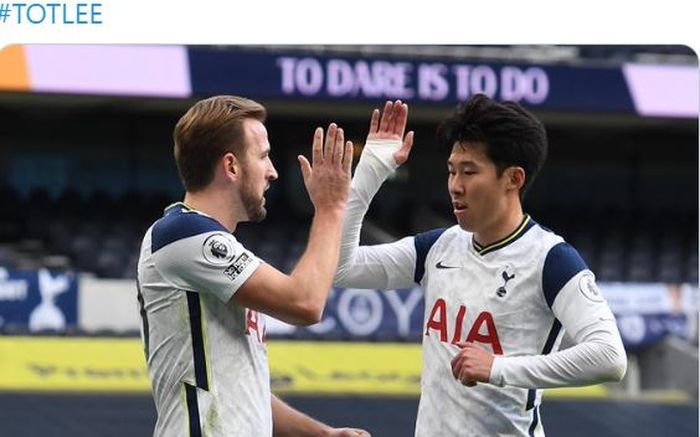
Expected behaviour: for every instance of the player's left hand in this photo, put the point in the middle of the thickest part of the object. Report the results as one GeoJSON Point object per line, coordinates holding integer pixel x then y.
{"type": "Point", "coordinates": [472, 364]}
{"type": "Point", "coordinates": [348, 432]}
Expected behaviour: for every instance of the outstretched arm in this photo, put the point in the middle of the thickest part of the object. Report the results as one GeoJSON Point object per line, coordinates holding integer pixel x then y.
{"type": "Point", "coordinates": [288, 422]}
{"type": "Point", "coordinates": [299, 298]}
{"type": "Point", "coordinates": [386, 265]}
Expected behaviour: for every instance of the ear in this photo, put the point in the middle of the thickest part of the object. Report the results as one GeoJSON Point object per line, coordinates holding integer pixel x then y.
{"type": "Point", "coordinates": [230, 166]}
{"type": "Point", "coordinates": [515, 178]}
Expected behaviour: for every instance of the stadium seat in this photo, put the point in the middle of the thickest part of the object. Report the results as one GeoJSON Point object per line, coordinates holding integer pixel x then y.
{"type": "Point", "coordinates": [110, 264]}
{"type": "Point", "coordinates": [101, 234]}
{"type": "Point", "coordinates": [670, 267]}
{"type": "Point", "coordinates": [691, 274]}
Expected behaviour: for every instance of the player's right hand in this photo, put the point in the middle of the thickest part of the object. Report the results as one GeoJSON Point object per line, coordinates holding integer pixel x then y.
{"type": "Point", "coordinates": [391, 125]}
{"type": "Point", "coordinates": [327, 179]}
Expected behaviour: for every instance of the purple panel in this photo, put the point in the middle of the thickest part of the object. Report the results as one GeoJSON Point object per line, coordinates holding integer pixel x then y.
{"type": "Point", "coordinates": [663, 91]}
{"type": "Point", "coordinates": [159, 71]}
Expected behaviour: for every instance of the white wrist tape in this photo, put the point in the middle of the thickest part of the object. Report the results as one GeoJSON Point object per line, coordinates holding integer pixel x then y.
{"type": "Point", "coordinates": [382, 151]}
{"type": "Point", "coordinates": [376, 164]}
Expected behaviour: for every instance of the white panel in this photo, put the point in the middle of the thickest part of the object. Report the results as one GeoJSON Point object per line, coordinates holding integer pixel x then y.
{"type": "Point", "coordinates": [108, 304]}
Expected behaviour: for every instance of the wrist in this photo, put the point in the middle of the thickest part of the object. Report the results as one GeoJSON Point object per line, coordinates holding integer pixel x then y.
{"type": "Point", "coordinates": [496, 374]}
{"type": "Point", "coordinates": [336, 211]}
{"type": "Point", "coordinates": [381, 153]}
{"type": "Point", "coordinates": [324, 431]}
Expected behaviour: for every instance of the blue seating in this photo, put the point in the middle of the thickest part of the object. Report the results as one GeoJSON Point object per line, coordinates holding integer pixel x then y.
{"type": "Point", "coordinates": [102, 234]}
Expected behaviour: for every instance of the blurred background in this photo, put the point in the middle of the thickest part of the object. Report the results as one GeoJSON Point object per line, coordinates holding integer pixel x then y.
{"type": "Point", "coordinates": [86, 166]}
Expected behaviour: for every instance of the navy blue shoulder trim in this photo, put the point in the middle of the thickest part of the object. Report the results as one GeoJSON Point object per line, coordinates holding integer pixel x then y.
{"type": "Point", "coordinates": [423, 242]}
{"type": "Point", "coordinates": [178, 225]}
{"type": "Point", "coordinates": [563, 262]}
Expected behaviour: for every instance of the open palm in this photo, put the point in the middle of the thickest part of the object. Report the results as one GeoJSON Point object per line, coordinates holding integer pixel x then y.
{"type": "Point", "coordinates": [391, 125]}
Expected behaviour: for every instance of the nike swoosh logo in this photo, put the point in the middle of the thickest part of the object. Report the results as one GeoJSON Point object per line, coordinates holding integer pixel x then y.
{"type": "Point", "coordinates": [440, 265]}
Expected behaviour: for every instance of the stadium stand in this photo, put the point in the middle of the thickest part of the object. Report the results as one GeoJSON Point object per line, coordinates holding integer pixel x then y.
{"type": "Point", "coordinates": [100, 234]}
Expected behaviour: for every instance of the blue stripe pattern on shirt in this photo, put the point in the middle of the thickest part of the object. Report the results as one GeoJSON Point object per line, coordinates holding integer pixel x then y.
{"type": "Point", "coordinates": [198, 353]}
{"type": "Point", "coordinates": [548, 346]}
{"type": "Point", "coordinates": [535, 421]}
{"type": "Point", "coordinates": [195, 426]}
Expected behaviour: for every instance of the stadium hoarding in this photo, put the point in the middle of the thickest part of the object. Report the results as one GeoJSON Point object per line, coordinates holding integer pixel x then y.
{"type": "Point", "coordinates": [197, 71]}
{"type": "Point", "coordinates": [117, 365]}
{"type": "Point", "coordinates": [346, 78]}
{"type": "Point", "coordinates": [629, 88]}
{"type": "Point", "coordinates": [111, 70]}
{"type": "Point", "coordinates": [72, 364]}
{"type": "Point", "coordinates": [393, 315]}
{"type": "Point", "coordinates": [32, 301]}
{"type": "Point", "coordinates": [646, 313]}
{"type": "Point", "coordinates": [38, 300]}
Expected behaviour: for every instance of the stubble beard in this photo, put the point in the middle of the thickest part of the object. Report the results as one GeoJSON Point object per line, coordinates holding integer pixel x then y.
{"type": "Point", "coordinates": [253, 205]}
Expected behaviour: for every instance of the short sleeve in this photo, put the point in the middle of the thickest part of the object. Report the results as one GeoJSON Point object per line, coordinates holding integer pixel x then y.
{"type": "Point", "coordinates": [196, 253]}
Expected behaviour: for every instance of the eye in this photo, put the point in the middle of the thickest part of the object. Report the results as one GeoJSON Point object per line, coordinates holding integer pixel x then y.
{"type": "Point", "coordinates": [468, 172]}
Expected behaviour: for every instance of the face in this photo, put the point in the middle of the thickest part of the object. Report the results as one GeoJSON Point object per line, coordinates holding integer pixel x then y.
{"type": "Point", "coordinates": [478, 194]}
{"type": "Point", "coordinates": [257, 170]}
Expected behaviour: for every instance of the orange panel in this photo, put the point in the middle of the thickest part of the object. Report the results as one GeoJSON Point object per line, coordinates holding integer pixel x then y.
{"type": "Point", "coordinates": [13, 69]}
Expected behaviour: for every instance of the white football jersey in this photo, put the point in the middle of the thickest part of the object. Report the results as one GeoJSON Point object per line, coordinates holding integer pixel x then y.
{"type": "Point", "coordinates": [206, 356]}
{"type": "Point", "coordinates": [513, 298]}
{"type": "Point", "coordinates": [497, 297]}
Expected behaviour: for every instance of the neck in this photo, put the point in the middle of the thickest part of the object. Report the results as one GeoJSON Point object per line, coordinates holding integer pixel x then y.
{"type": "Point", "coordinates": [216, 204]}
{"type": "Point", "coordinates": [501, 228]}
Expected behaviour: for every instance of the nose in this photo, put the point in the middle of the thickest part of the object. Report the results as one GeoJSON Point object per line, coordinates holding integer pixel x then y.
{"type": "Point", "coordinates": [273, 173]}
{"type": "Point", "coordinates": [454, 187]}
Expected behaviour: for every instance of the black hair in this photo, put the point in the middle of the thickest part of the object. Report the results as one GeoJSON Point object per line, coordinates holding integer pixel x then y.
{"type": "Point", "coordinates": [510, 135]}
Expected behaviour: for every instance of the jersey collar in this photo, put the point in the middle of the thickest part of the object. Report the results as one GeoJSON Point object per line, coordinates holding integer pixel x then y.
{"type": "Point", "coordinates": [177, 206]}
{"type": "Point", "coordinates": [524, 226]}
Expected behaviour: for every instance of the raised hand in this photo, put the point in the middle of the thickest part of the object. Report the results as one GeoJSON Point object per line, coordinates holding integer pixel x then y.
{"type": "Point", "coordinates": [390, 124]}
{"type": "Point", "coordinates": [328, 179]}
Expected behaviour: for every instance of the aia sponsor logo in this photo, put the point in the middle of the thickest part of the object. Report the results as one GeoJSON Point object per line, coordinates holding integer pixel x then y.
{"type": "Point", "coordinates": [483, 330]}
{"type": "Point", "coordinates": [255, 325]}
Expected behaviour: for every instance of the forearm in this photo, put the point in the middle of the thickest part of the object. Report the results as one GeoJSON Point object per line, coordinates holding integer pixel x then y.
{"type": "Point", "coordinates": [298, 298]}
{"type": "Point", "coordinates": [313, 275]}
{"type": "Point", "coordinates": [599, 358]}
{"type": "Point", "coordinates": [290, 422]}
{"type": "Point", "coordinates": [375, 166]}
